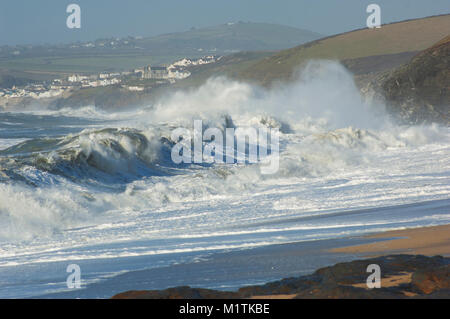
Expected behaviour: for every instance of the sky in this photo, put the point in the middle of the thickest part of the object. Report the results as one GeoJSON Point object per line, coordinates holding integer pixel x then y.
{"type": "Point", "coordinates": [44, 21]}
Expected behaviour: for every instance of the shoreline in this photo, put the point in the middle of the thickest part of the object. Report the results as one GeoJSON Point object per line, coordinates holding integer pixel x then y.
{"type": "Point", "coordinates": [428, 241]}
{"type": "Point", "coordinates": [408, 269]}
{"type": "Point", "coordinates": [228, 272]}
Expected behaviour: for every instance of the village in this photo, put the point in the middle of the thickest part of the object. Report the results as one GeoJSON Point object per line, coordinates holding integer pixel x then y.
{"type": "Point", "coordinates": [57, 87]}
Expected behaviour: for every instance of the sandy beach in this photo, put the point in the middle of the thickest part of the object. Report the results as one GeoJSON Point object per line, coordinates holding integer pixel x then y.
{"type": "Point", "coordinates": [226, 272]}
{"type": "Point", "coordinates": [428, 241]}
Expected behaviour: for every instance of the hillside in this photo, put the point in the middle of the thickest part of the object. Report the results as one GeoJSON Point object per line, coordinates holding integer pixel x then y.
{"type": "Point", "coordinates": [364, 50]}
{"type": "Point", "coordinates": [29, 62]}
{"type": "Point", "coordinates": [420, 90]}
{"type": "Point", "coordinates": [370, 54]}
{"type": "Point", "coordinates": [230, 37]}
{"type": "Point", "coordinates": [229, 65]}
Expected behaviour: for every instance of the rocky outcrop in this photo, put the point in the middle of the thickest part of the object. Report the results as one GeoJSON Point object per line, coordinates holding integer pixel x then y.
{"type": "Point", "coordinates": [432, 280]}
{"type": "Point", "coordinates": [184, 292]}
{"type": "Point", "coordinates": [422, 277]}
{"type": "Point", "coordinates": [419, 90]}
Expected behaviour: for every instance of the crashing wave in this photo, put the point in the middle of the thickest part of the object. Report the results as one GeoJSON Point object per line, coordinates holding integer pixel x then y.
{"type": "Point", "coordinates": [114, 153]}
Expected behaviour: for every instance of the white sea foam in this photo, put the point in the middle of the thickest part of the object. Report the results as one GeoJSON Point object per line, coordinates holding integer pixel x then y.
{"type": "Point", "coordinates": [328, 130]}
{"type": "Point", "coordinates": [5, 143]}
{"type": "Point", "coordinates": [338, 154]}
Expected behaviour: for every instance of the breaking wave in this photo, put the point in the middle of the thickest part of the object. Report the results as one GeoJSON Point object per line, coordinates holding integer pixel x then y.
{"type": "Point", "coordinates": [49, 184]}
{"type": "Point", "coordinates": [110, 154]}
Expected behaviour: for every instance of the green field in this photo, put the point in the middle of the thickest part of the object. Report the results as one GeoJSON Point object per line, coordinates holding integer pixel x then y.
{"type": "Point", "coordinates": [84, 64]}
{"type": "Point", "coordinates": [41, 62]}
{"type": "Point", "coordinates": [20, 71]}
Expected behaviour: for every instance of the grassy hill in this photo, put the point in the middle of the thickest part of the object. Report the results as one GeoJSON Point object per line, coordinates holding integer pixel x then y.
{"type": "Point", "coordinates": [360, 48]}
{"type": "Point", "coordinates": [230, 66]}
{"type": "Point", "coordinates": [23, 62]}
{"type": "Point", "coordinates": [231, 37]}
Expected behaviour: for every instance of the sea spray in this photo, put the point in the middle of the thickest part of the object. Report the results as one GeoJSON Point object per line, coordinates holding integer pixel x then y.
{"type": "Point", "coordinates": [115, 181]}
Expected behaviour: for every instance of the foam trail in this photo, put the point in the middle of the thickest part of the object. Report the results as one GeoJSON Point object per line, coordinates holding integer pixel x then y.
{"type": "Point", "coordinates": [93, 185]}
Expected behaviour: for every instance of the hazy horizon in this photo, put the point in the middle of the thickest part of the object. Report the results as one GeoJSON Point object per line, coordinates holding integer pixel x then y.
{"type": "Point", "coordinates": [44, 22]}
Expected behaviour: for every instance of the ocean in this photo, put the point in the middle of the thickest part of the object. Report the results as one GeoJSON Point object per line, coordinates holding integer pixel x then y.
{"type": "Point", "coordinates": [99, 188]}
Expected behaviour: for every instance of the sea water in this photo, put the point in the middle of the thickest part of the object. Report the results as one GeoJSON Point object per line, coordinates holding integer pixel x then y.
{"type": "Point", "coordinates": [99, 189]}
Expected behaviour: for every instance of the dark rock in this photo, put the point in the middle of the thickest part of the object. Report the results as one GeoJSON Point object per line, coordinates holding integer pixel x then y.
{"type": "Point", "coordinates": [184, 292]}
{"type": "Point", "coordinates": [419, 90]}
{"type": "Point", "coordinates": [430, 279]}
{"type": "Point", "coordinates": [335, 291]}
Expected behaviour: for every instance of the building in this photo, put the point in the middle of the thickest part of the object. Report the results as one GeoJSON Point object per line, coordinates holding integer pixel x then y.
{"type": "Point", "coordinates": [155, 72]}
{"type": "Point", "coordinates": [76, 78]}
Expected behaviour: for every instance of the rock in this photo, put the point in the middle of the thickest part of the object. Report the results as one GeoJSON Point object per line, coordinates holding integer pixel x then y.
{"type": "Point", "coordinates": [184, 292]}
{"type": "Point", "coordinates": [430, 279]}
{"type": "Point", "coordinates": [335, 291]}
{"type": "Point", "coordinates": [419, 90]}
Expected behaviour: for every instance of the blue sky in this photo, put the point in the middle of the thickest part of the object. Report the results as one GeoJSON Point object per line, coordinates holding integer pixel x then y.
{"type": "Point", "coordinates": [44, 21]}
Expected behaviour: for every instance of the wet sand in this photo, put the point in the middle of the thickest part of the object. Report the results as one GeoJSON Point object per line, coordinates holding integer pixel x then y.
{"type": "Point", "coordinates": [229, 271]}
{"type": "Point", "coordinates": [429, 241]}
